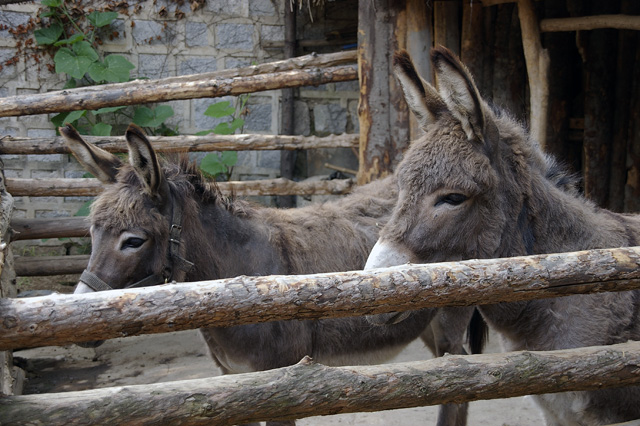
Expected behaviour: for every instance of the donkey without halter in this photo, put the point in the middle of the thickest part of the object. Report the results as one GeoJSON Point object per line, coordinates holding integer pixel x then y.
{"type": "Point", "coordinates": [476, 186]}
{"type": "Point", "coordinates": [146, 209]}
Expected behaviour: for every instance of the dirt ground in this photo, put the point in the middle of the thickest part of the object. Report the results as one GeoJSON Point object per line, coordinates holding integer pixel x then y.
{"type": "Point", "coordinates": [183, 355]}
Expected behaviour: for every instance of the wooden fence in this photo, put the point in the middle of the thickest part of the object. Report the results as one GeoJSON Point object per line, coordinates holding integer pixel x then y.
{"type": "Point", "coordinates": [320, 389]}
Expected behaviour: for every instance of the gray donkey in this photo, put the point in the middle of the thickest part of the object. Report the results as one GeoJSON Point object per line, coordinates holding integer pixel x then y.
{"type": "Point", "coordinates": [155, 224]}
{"type": "Point", "coordinates": [476, 186]}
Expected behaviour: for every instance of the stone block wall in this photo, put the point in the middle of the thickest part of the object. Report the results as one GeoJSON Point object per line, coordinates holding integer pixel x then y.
{"type": "Point", "coordinates": [162, 38]}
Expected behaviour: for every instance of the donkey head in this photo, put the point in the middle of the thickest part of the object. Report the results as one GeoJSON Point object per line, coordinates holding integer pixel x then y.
{"type": "Point", "coordinates": [131, 221]}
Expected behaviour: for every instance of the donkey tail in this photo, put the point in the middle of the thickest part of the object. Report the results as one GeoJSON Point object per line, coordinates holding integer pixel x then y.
{"type": "Point", "coordinates": [477, 333]}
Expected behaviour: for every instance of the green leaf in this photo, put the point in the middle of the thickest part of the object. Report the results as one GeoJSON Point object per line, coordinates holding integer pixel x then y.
{"type": "Point", "coordinates": [101, 19]}
{"type": "Point", "coordinates": [85, 209]}
{"type": "Point", "coordinates": [237, 123]}
{"type": "Point", "coordinates": [146, 117]}
{"type": "Point", "coordinates": [115, 69]}
{"type": "Point", "coordinates": [223, 129]}
{"type": "Point", "coordinates": [211, 164]}
{"type": "Point", "coordinates": [229, 158]}
{"type": "Point", "coordinates": [75, 62]}
{"type": "Point", "coordinates": [101, 129]}
{"type": "Point", "coordinates": [52, 3]}
{"type": "Point", "coordinates": [70, 84]}
{"type": "Point", "coordinates": [74, 39]}
{"type": "Point", "coordinates": [203, 132]}
{"type": "Point", "coordinates": [48, 13]}
{"type": "Point", "coordinates": [108, 110]}
{"type": "Point", "coordinates": [67, 117]}
{"type": "Point", "coordinates": [220, 109]}
{"type": "Point", "coordinates": [48, 35]}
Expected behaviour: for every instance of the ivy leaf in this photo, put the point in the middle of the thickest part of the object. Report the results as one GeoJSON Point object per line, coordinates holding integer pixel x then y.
{"type": "Point", "coordinates": [101, 129]}
{"type": "Point", "coordinates": [67, 117]}
{"type": "Point", "coordinates": [223, 129]}
{"type": "Point", "coordinates": [146, 117]}
{"type": "Point", "coordinates": [236, 124]}
{"type": "Point", "coordinates": [108, 110]}
{"type": "Point", "coordinates": [72, 40]}
{"type": "Point", "coordinates": [48, 35]}
{"type": "Point", "coordinates": [212, 165]}
{"type": "Point", "coordinates": [203, 132]}
{"type": "Point", "coordinates": [75, 62]}
{"type": "Point", "coordinates": [220, 109]}
{"type": "Point", "coordinates": [115, 69]}
{"type": "Point", "coordinates": [229, 158]}
{"type": "Point", "coordinates": [101, 19]}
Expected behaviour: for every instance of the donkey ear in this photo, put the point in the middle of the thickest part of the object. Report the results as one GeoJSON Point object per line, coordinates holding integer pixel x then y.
{"type": "Point", "coordinates": [143, 159]}
{"type": "Point", "coordinates": [100, 163]}
{"type": "Point", "coordinates": [459, 91]}
{"type": "Point", "coordinates": [423, 99]}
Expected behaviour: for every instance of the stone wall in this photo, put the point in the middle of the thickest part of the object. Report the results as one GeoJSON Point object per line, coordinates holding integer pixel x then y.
{"type": "Point", "coordinates": [163, 39]}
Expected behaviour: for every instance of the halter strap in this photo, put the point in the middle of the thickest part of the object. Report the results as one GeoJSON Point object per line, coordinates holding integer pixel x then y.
{"type": "Point", "coordinates": [173, 257]}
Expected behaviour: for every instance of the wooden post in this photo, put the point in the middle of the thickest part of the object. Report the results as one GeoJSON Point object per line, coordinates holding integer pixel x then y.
{"type": "Point", "coordinates": [384, 123]}
{"type": "Point", "coordinates": [537, 60]}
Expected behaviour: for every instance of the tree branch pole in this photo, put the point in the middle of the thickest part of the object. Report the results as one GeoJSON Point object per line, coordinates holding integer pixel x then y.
{"type": "Point", "coordinates": [537, 61]}
{"type": "Point", "coordinates": [88, 187]}
{"type": "Point", "coordinates": [119, 94]}
{"type": "Point", "coordinates": [184, 143]}
{"type": "Point", "coordinates": [53, 320]}
{"type": "Point", "coordinates": [310, 389]}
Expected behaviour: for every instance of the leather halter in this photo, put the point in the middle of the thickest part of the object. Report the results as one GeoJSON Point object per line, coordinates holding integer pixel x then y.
{"type": "Point", "coordinates": [173, 257]}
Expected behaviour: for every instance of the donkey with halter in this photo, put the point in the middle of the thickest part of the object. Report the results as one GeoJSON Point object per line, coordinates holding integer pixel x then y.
{"type": "Point", "coordinates": [156, 224]}
{"type": "Point", "coordinates": [476, 186]}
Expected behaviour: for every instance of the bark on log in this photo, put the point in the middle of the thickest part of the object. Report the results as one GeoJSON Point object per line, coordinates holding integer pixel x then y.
{"type": "Point", "coordinates": [90, 187]}
{"type": "Point", "coordinates": [311, 389]}
{"type": "Point", "coordinates": [382, 112]}
{"type": "Point", "coordinates": [160, 90]}
{"type": "Point", "coordinates": [185, 143]}
{"type": "Point", "coordinates": [537, 60]}
{"type": "Point", "coordinates": [41, 321]}
{"type": "Point", "coordinates": [42, 266]}
{"type": "Point", "coordinates": [620, 22]}
{"type": "Point", "coordinates": [33, 229]}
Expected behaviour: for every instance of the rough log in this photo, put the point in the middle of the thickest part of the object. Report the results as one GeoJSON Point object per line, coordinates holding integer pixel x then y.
{"type": "Point", "coordinates": [87, 187]}
{"type": "Point", "coordinates": [41, 321]}
{"type": "Point", "coordinates": [620, 22]}
{"type": "Point", "coordinates": [537, 60]}
{"type": "Point", "coordinates": [186, 143]}
{"type": "Point", "coordinates": [34, 229]}
{"type": "Point", "coordinates": [160, 90]}
{"type": "Point", "coordinates": [41, 266]}
{"type": "Point", "coordinates": [311, 389]}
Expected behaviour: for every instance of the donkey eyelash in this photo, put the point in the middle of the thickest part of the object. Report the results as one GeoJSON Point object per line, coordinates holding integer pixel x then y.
{"type": "Point", "coordinates": [453, 199]}
{"type": "Point", "coordinates": [133, 242]}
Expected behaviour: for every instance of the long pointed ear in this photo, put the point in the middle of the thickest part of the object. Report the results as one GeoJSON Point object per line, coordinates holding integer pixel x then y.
{"type": "Point", "coordinates": [423, 99]}
{"type": "Point", "coordinates": [100, 163]}
{"type": "Point", "coordinates": [459, 92]}
{"type": "Point", "coordinates": [143, 159]}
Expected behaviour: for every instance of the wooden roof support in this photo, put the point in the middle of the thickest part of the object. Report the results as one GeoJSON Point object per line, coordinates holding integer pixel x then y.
{"type": "Point", "coordinates": [582, 23]}
{"type": "Point", "coordinates": [537, 61]}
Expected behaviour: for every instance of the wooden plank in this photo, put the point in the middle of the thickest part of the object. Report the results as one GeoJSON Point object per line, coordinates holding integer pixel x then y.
{"type": "Point", "coordinates": [87, 187]}
{"type": "Point", "coordinates": [382, 113]}
{"type": "Point", "coordinates": [183, 143]}
{"type": "Point", "coordinates": [585, 23]}
{"type": "Point", "coordinates": [63, 227]}
{"type": "Point", "coordinates": [310, 389]}
{"type": "Point", "coordinates": [42, 266]}
{"type": "Point", "coordinates": [53, 320]}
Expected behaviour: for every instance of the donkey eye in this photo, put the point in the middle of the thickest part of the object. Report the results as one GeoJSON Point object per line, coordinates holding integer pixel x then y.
{"type": "Point", "coordinates": [132, 242]}
{"type": "Point", "coordinates": [453, 199]}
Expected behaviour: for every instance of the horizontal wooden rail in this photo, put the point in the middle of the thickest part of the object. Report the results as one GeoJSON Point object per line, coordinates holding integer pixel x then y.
{"type": "Point", "coordinates": [310, 389]}
{"type": "Point", "coordinates": [87, 187]}
{"type": "Point", "coordinates": [53, 320]}
{"type": "Point", "coordinates": [40, 266]}
{"type": "Point", "coordinates": [34, 229]}
{"type": "Point", "coordinates": [160, 90]}
{"type": "Point", "coordinates": [186, 143]}
{"type": "Point", "coordinates": [583, 23]}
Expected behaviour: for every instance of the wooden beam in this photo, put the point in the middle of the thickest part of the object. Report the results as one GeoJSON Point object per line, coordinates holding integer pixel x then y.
{"type": "Point", "coordinates": [537, 60]}
{"type": "Point", "coordinates": [63, 227]}
{"type": "Point", "coordinates": [87, 187]}
{"type": "Point", "coordinates": [43, 321]}
{"type": "Point", "coordinates": [110, 95]}
{"type": "Point", "coordinates": [584, 23]}
{"type": "Point", "coordinates": [184, 143]}
{"type": "Point", "coordinates": [310, 389]}
{"type": "Point", "coordinates": [42, 266]}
